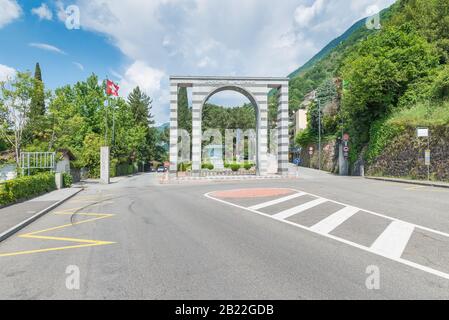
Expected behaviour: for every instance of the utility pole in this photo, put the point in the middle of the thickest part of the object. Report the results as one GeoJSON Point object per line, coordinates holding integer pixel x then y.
{"type": "Point", "coordinates": [106, 104]}
{"type": "Point", "coordinates": [319, 134]}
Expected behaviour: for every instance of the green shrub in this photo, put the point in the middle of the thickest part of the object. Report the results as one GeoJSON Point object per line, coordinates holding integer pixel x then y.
{"type": "Point", "coordinates": [5, 197]}
{"type": "Point", "coordinates": [440, 87]}
{"type": "Point", "coordinates": [28, 186]}
{"type": "Point", "coordinates": [67, 180]}
{"type": "Point", "coordinates": [381, 134]}
{"type": "Point", "coordinates": [235, 167]}
{"type": "Point", "coordinates": [305, 138]}
{"type": "Point", "coordinates": [248, 165]}
{"type": "Point", "coordinates": [209, 166]}
{"type": "Point", "coordinates": [184, 166]}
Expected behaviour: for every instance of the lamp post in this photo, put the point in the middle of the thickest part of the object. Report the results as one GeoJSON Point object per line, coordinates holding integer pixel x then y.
{"type": "Point", "coordinates": [318, 96]}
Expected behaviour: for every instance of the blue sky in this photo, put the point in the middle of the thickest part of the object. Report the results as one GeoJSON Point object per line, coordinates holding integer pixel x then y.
{"type": "Point", "coordinates": [139, 42]}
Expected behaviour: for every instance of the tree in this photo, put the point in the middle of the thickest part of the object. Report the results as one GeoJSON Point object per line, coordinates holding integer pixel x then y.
{"type": "Point", "coordinates": [140, 105]}
{"type": "Point", "coordinates": [37, 107]}
{"type": "Point", "coordinates": [184, 112]}
{"type": "Point", "coordinates": [379, 71]}
{"type": "Point", "coordinates": [15, 101]}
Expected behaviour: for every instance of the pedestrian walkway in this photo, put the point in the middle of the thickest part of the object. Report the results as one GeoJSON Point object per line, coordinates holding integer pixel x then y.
{"type": "Point", "coordinates": [17, 216]}
{"type": "Point", "coordinates": [410, 244]}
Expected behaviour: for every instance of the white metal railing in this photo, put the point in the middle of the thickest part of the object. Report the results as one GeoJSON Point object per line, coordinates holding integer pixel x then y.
{"type": "Point", "coordinates": [37, 160]}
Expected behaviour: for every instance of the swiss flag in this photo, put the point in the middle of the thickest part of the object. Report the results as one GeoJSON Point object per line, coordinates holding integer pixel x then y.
{"type": "Point", "coordinates": [111, 88]}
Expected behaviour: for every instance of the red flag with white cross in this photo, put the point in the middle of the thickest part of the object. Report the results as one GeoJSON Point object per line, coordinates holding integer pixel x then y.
{"type": "Point", "coordinates": [112, 88]}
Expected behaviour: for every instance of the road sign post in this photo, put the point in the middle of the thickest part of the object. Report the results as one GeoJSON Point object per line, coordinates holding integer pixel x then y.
{"type": "Point", "coordinates": [424, 133]}
{"type": "Point", "coordinates": [310, 158]}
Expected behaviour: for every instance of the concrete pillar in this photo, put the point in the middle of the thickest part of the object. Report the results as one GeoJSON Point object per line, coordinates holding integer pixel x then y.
{"type": "Point", "coordinates": [197, 101]}
{"type": "Point", "coordinates": [283, 138]}
{"type": "Point", "coordinates": [262, 135]}
{"type": "Point", "coordinates": [59, 180]}
{"type": "Point", "coordinates": [173, 128]}
{"type": "Point", "coordinates": [104, 165]}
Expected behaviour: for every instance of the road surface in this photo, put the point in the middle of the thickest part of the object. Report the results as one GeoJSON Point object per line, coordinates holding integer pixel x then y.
{"type": "Point", "coordinates": [138, 239]}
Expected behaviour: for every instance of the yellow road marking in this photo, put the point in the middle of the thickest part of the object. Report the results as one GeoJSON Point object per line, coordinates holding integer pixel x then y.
{"type": "Point", "coordinates": [84, 242]}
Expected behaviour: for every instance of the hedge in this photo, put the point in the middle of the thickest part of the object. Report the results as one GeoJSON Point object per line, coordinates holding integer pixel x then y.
{"type": "Point", "coordinates": [26, 187]}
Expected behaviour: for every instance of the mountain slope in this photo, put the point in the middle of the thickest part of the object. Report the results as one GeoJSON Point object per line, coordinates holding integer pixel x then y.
{"type": "Point", "coordinates": [328, 48]}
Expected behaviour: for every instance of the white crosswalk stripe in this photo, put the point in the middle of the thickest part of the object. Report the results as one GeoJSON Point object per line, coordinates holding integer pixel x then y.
{"type": "Point", "coordinates": [391, 243]}
{"type": "Point", "coordinates": [276, 201]}
{"type": "Point", "coordinates": [394, 239]}
{"type": "Point", "coordinates": [298, 209]}
{"type": "Point", "coordinates": [334, 220]}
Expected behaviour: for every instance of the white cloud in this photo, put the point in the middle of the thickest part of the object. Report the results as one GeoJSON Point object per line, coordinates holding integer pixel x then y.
{"type": "Point", "coordinates": [149, 80]}
{"type": "Point", "coordinates": [140, 74]}
{"type": "Point", "coordinates": [305, 14]}
{"type": "Point", "coordinates": [215, 37]}
{"type": "Point", "coordinates": [47, 47]}
{"type": "Point", "coordinates": [10, 11]}
{"type": "Point", "coordinates": [371, 10]}
{"type": "Point", "coordinates": [43, 12]}
{"type": "Point", "coordinates": [6, 72]}
{"type": "Point", "coordinates": [78, 65]}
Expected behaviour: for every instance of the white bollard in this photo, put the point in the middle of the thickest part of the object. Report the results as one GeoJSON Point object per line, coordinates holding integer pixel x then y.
{"type": "Point", "coordinates": [104, 165]}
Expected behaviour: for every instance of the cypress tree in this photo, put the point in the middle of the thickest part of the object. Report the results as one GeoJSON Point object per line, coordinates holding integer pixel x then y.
{"type": "Point", "coordinates": [140, 105]}
{"type": "Point", "coordinates": [184, 112]}
{"type": "Point", "coordinates": [37, 107]}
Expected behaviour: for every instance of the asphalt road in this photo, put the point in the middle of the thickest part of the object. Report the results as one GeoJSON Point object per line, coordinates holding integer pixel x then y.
{"type": "Point", "coordinates": [137, 239]}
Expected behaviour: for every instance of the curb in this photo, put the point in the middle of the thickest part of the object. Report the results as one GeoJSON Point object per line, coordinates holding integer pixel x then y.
{"type": "Point", "coordinates": [416, 182]}
{"type": "Point", "coordinates": [23, 224]}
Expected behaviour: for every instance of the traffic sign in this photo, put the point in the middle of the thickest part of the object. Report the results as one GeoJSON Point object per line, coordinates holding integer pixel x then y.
{"type": "Point", "coordinates": [311, 150]}
{"type": "Point", "coordinates": [422, 132]}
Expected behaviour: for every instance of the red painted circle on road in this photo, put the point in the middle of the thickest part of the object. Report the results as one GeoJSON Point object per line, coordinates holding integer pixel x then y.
{"type": "Point", "coordinates": [252, 193]}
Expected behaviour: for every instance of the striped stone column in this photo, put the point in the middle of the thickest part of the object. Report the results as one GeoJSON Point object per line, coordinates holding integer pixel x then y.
{"type": "Point", "coordinates": [283, 138]}
{"type": "Point", "coordinates": [262, 134]}
{"type": "Point", "coordinates": [173, 128]}
{"type": "Point", "coordinates": [197, 101]}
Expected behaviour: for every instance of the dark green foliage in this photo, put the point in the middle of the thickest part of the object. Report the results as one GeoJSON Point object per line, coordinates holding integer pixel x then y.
{"type": "Point", "coordinates": [37, 107]}
{"type": "Point", "coordinates": [382, 133]}
{"type": "Point", "coordinates": [305, 137]}
{"type": "Point", "coordinates": [440, 86]}
{"type": "Point", "coordinates": [140, 105]}
{"type": "Point", "coordinates": [379, 72]}
{"type": "Point", "coordinates": [184, 111]}
{"type": "Point", "coordinates": [217, 117]}
{"type": "Point", "coordinates": [125, 169]}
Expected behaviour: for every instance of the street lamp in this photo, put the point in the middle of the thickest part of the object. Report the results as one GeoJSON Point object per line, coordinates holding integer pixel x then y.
{"type": "Point", "coordinates": [317, 97]}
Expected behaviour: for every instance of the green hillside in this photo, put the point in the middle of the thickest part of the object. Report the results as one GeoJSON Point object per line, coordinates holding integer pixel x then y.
{"type": "Point", "coordinates": [328, 48]}
{"type": "Point", "coordinates": [326, 62]}
{"type": "Point", "coordinates": [387, 81]}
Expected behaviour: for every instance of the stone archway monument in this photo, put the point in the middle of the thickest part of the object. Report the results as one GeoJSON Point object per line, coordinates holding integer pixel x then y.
{"type": "Point", "coordinates": [256, 90]}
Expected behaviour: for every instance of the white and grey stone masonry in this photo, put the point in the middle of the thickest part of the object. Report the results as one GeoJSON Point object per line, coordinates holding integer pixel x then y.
{"type": "Point", "coordinates": [256, 90]}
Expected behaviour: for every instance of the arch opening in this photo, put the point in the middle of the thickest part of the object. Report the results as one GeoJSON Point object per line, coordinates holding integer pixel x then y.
{"type": "Point", "coordinates": [229, 127]}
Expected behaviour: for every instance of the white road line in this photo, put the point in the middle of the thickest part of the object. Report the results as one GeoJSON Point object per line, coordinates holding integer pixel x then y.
{"type": "Point", "coordinates": [394, 239]}
{"type": "Point", "coordinates": [276, 201]}
{"type": "Point", "coordinates": [334, 220]}
{"type": "Point", "coordinates": [409, 263]}
{"type": "Point", "coordinates": [298, 209]}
